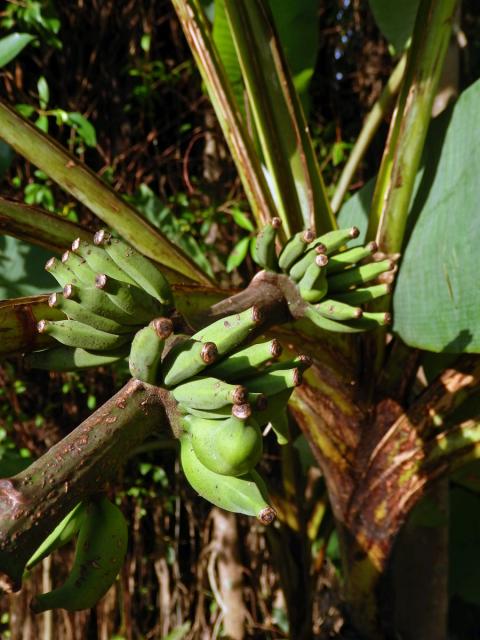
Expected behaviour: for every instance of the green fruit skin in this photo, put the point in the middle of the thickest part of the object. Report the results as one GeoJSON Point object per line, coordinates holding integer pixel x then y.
{"type": "Point", "coordinates": [145, 355]}
{"type": "Point", "coordinates": [230, 447]}
{"type": "Point", "coordinates": [243, 494]}
{"type": "Point", "coordinates": [73, 358]}
{"type": "Point", "coordinates": [100, 551]}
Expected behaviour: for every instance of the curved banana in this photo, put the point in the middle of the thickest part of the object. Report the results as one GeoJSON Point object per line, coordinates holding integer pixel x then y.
{"type": "Point", "coordinates": [73, 358]}
{"type": "Point", "coordinates": [146, 349]}
{"type": "Point", "coordinates": [209, 393]}
{"type": "Point", "coordinates": [98, 302]}
{"type": "Point", "coordinates": [363, 295]}
{"type": "Point", "coordinates": [99, 260]}
{"type": "Point", "coordinates": [295, 248]}
{"type": "Point", "coordinates": [230, 447]}
{"type": "Point", "coordinates": [141, 270]}
{"type": "Point", "coordinates": [333, 240]}
{"type": "Point", "coordinates": [243, 494]}
{"type": "Point", "coordinates": [265, 254]}
{"type": "Point", "coordinates": [75, 311]}
{"type": "Point", "coordinates": [129, 299]}
{"type": "Point", "coordinates": [314, 286]}
{"type": "Point", "coordinates": [229, 332]}
{"type": "Point", "coordinates": [358, 275]}
{"type": "Point", "coordinates": [277, 415]}
{"type": "Point", "coordinates": [340, 261]}
{"type": "Point", "coordinates": [100, 551]}
{"type": "Point", "coordinates": [246, 361]}
{"type": "Point", "coordinates": [273, 382]}
{"type": "Point", "coordinates": [312, 256]}
{"type": "Point", "coordinates": [187, 358]}
{"type": "Point", "coordinates": [63, 533]}
{"type": "Point", "coordinates": [60, 272]}
{"type": "Point", "coordinates": [76, 334]}
{"type": "Point", "coordinates": [338, 310]}
{"type": "Point", "coordinates": [79, 266]}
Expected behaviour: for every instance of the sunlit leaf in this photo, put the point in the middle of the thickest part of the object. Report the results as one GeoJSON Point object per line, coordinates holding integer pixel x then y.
{"type": "Point", "coordinates": [12, 45]}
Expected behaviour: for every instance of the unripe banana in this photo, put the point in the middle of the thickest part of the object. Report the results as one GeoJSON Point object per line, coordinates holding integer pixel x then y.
{"type": "Point", "coordinates": [209, 393]}
{"type": "Point", "coordinates": [314, 286]}
{"type": "Point", "coordinates": [73, 358]}
{"type": "Point", "coordinates": [132, 301]}
{"type": "Point", "coordinates": [297, 270]}
{"type": "Point", "coordinates": [265, 254]}
{"type": "Point", "coordinates": [60, 272]}
{"type": "Point", "coordinates": [146, 350]}
{"type": "Point", "coordinates": [333, 240]}
{"type": "Point", "coordinates": [358, 275]}
{"type": "Point", "coordinates": [98, 302]}
{"type": "Point", "coordinates": [327, 324]}
{"type": "Point", "coordinates": [187, 358]}
{"type": "Point", "coordinates": [141, 271]}
{"type": "Point", "coordinates": [230, 447]}
{"type": "Point", "coordinates": [295, 248]}
{"type": "Point", "coordinates": [338, 310]}
{"type": "Point", "coordinates": [229, 332]}
{"type": "Point", "coordinates": [339, 261]}
{"type": "Point", "coordinates": [275, 381]}
{"type": "Point", "coordinates": [362, 296]}
{"type": "Point", "coordinates": [75, 334]}
{"type": "Point", "coordinates": [79, 266]}
{"type": "Point", "coordinates": [75, 311]}
{"type": "Point", "coordinates": [244, 494]}
{"type": "Point", "coordinates": [100, 551]}
{"type": "Point", "coordinates": [246, 361]}
{"type": "Point", "coordinates": [276, 414]}
{"type": "Point", "coordinates": [241, 411]}
{"type": "Point", "coordinates": [301, 362]}
{"type": "Point", "coordinates": [61, 535]}
{"type": "Point", "coordinates": [99, 260]}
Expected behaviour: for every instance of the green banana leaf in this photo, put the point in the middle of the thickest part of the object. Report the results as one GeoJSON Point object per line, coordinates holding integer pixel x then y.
{"type": "Point", "coordinates": [437, 297]}
{"type": "Point", "coordinates": [395, 20]}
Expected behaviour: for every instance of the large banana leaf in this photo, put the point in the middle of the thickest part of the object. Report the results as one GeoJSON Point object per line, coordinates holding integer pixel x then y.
{"type": "Point", "coordinates": [73, 176]}
{"type": "Point", "coordinates": [395, 19]}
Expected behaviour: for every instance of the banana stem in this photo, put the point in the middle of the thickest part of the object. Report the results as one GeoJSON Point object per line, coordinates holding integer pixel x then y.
{"type": "Point", "coordinates": [34, 501]}
{"type": "Point", "coordinates": [370, 127]}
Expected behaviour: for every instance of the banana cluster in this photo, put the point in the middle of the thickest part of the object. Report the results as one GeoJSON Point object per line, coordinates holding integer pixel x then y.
{"type": "Point", "coordinates": [332, 280]}
{"type": "Point", "coordinates": [110, 291]}
{"type": "Point", "coordinates": [101, 545]}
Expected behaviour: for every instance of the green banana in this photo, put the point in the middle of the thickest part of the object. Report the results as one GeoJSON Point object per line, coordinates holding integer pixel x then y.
{"type": "Point", "coordinates": [333, 240]}
{"type": "Point", "coordinates": [73, 358]}
{"type": "Point", "coordinates": [265, 253]}
{"type": "Point", "coordinates": [146, 349]}
{"type": "Point", "coordinates": [75, 311]}
{"type": "Point", "coordinates": [61, 535]}
{"type": "Point", "coordinates": [353, 326]}
{"type": "Point", "coordinates": [313, 286]}
{"type": "Point", "coordinates": [187, 358]}
{"type": "Point", "coordinates": [362, 296]}
{"type": "Point", "coordinates": [100, 551]}
{"type": "Point", "coordinates": [246, 361]}
{"type": "Point", "coordinates": [130, 299]}
{"type": "Point", "coordinates": [358, 275]}
{"type": "Point", "coordinates": [60, 272]}
{"type": "Point", "coordinates": [300, 268]}
{"type": "Point", "coordinates": [98, 302]}
{"type": "Point", "coordinates": [209, 393]}
{"type": "Point", "coordinates": [79, 266]}
{"type": "Point", "coordinates": [141, 270]}
{"type": "Point", "coordinates": [244, 494]}
{"type": "Point", "coordinates": [339, 261]}
{"type": "Point", "coordinates": [277, 415]}
{"type": "Point", "coordinates": [273, 382]}
{"type": "Point", "coordinates": [302, 362]}
{"type": "Point", "coordinates": [294, 249]}
{"type": "Point", "coordinates": [230, 447]}
{"type": "Point", "coordinates": [76, 334]}
{"type": "Point", "coordinates": [99, 260]}
{"type": "Point", "coordinates": [228, 332]}
{"type": "Point", "coordinates": [241, 411]}
{"type": "Point", "coordinates": [338, 310]}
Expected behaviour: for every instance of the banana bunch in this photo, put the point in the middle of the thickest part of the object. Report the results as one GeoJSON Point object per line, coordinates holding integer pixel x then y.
{"type": "Point", "coordinates": [332, 280]}
{"type": "Point", "coordinates": [101, 546]}
{"type": "Point", "coordinates": [226, 393]}
{"type": "Point", "coordinates": [110, 292]}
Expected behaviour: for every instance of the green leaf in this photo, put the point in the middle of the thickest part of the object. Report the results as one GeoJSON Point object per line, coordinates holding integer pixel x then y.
{"type": "Point", "coordinates": [223, 40]}
{"type": "Point", "coordinates": [395, 20]}
{"type": "Point", "coordinates": [43, 92]}
{"type": "Point", "coordinates": [178, 633]}
{"type": "Point", "coordinates": [12, 45]}
{"type": "Point", "coordinates": [21, 269]}
{"type": "Point", "coordinates": [238, 254]}
{"type": "Point", "coordinates": [241, 219]}
{"type": "Point", "coordinates": [437, 297]}
{"type": "Point", "coordinates": [84, 128]}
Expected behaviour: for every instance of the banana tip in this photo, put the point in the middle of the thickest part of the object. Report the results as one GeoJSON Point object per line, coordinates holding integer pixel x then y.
{"type": "Point", "coordinates": [50, 264]}
{"type": "Point", "coordinates": [76, 244]}
{"type": "Point", "coordinates": [209, 352]}
{"type": "Point", "coordinates": [101, 237]}
{"type": "Point", "coordinates": [267, 515]}
{"type": "Point", "coordinates": [276, 223]}
{"type": "Point", "coordinates": [276, 348]}
{"type": "Point", "coordinates": [308, 236]}
{"type": "Point", "coordinates": [52, 299]}
{"type": "Point", "coordinates": [101, 281]}
{"type": "Point", "coordinates": [321, 260]}
{"type": "Point", "coordinates": [257, 314]}
{"type": "Point", "coordinates": [163, 327]}
{"type": "Point", "coordinates": [242, 411]}
{"type": "Point", "coordinates": [41, 326]}
{"type": "Point", "coordinates": [239, 394]}
{"type": "Point", "coordinates": [354, 232]}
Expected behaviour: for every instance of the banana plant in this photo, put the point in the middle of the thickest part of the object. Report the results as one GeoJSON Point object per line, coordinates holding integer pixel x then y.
{"type": "Point", "coordinates": [324, 286]}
